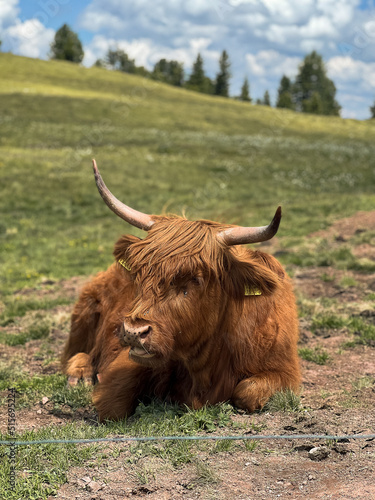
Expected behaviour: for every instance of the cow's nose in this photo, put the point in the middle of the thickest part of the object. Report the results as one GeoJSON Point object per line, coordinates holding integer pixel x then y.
{"type": "Point", "coordinates": [138, 333]}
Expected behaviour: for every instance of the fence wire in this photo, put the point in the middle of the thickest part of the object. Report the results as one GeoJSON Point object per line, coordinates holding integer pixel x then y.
{"type": "Point", "coordinates": [256, 437]}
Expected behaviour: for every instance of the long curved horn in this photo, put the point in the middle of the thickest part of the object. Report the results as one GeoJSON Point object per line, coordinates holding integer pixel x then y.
{"type": "Point", "coordinates": [242, 235]}
{"type": "Point", "coordinates": [135, 218]}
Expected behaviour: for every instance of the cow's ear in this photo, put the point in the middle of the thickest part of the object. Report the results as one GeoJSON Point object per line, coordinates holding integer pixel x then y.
{"type": "Point", "coordinates": [122, 245]}
{"type": "Point", "coordinates": [250, 277]}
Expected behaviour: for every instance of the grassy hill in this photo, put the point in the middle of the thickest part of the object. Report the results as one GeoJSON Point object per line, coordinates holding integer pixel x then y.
{"type": "Point", "coordinates": [159, 149]}
{"type": "Point", "coordinates": [163, 149]}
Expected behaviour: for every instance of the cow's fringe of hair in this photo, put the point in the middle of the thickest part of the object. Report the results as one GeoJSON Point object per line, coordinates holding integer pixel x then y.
{"type": "Point", "coordinates": [179, 249]}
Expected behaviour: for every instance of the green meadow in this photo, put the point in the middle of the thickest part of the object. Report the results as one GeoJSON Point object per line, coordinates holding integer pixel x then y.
{"type": "Point", "coordinates": [160, 149]}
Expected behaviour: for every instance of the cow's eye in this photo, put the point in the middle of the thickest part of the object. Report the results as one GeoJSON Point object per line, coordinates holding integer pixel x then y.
{"type": "Point", "coordinates": [185, 293]}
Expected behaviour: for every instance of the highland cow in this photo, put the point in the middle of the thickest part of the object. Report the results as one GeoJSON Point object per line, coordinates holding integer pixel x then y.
{"type": "Point", "coordinates": [187, 315]}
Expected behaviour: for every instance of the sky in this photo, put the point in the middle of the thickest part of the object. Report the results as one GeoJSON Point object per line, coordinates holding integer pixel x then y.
{"type": "Point", "coordinates": [265, 39]}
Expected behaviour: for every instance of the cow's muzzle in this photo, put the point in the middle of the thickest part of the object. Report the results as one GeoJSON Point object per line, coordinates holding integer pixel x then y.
{"type": "Point", "coordinates": [137, 338]}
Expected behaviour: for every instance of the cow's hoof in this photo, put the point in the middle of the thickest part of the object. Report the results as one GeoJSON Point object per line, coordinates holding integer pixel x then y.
{"type": "Point", "coordinates": [72, 381]}
{"type": "Point", "coordinates": [79, 369]}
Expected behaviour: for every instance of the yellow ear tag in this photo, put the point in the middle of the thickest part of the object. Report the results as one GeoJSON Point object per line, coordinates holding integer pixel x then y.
{"type": "Point", "coordinates": [124, 264]}
{"type": "Point", "coordinates": [252, 291]}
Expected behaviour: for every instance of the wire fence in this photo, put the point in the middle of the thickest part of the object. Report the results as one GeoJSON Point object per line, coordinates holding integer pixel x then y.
{"type": "Point", "coordinates": [255, 437]}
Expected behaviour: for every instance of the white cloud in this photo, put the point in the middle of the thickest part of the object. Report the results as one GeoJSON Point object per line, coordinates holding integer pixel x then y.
{"type": "Point", "coordinates": [8, 12]}
{"type": "Point", "coordinates": [346, 71]}
{"type": "Point", "coordinates": [29, 38]}
{"type": "Point", "coordinates": [270, 63]}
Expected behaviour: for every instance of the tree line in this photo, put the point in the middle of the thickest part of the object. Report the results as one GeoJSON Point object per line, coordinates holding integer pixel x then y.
{"type": "Point", "coordinates": [311, 91]}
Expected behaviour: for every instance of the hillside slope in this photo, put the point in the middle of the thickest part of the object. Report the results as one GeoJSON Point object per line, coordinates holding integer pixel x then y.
{"type": "Point", "coordinates": [159, 148]}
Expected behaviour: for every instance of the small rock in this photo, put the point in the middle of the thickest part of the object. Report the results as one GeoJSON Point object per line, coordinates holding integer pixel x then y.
{"type": "Point", "coordinates": [39, 412]}
{"type": "Point", "coordinates": [341, 448]}
{"type": "Point", "coordinates": [44, 400]}
{"type": "Point", "coordinates": [319, 453]}
{"type": "Point", "coordinates": [94, 487]}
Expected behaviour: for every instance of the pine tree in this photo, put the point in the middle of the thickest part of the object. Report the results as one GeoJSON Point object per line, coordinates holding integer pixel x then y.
{"type": "Point", "coordinates": [222, 78]}
{"type": "Point", "coordinates": [284, 94]}
{"type": "Point", "coordinates": [372, 110]}
{"type": "Point", "coordinates": [311, 80]}
{"type": "Point", "coordinates": [266, 99]}
{"type": "Point", "coordinates": [245, 91]}
{"type": "Point", "coordinates": [66, 45]}
{"type": "Point", "coordinates": [198, 81]}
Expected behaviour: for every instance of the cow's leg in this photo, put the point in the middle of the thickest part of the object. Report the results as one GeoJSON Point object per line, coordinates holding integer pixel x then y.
{"type": "Point", "coordinates": [79, 367]}
{"type": "Point", "coordinates": [253, 393]}
{"type": "Point", "coordinates": [75, 360]}
{"type": "Point", "coordinates": [120, 387]}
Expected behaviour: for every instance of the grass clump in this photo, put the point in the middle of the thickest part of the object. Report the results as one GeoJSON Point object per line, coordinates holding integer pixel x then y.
{"type": "Point", "coordinates": [31, 390]}
{"type": "Point", "coordinates": [363, 383]}
{"type": "Point", "coordinates": [348, 282]}
{"type": "Point", "coordinates": [205, 474]}
{"type": "Point", "coordinates": [15, 307]}
{"type": "Point", "coordinates": [34, 332]}
{"type": "Point", "coordinates": [283, 401]}
{"type": "Point", "coordinates": [316, 355]}
{"type": "Point", "coordinates": [327, 321]}
{"type": "Point", "coordinates": [364, 332]}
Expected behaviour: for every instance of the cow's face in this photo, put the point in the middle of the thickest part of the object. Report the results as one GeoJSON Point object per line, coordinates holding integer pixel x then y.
{"type": "Point", "coordinates": [183, 280]}
{"type": "Point", "coordinates": [184, 275]}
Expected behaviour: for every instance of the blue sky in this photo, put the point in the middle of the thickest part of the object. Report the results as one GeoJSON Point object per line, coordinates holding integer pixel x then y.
{"type": "Point", "coordinates": [264, 38]}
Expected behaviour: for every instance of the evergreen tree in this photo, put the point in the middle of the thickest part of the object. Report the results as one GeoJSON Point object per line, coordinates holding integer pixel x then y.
{"type": "Point", "coordinates": [222, 78]}
{"type": "Point", "coordinates": [66, 45]}
{"type": "Point", "coordinates": [198, 81]}
{"type": "Point", "coordinates": [245, 91]}
{"type": "Point", "coordinates": [313, 105]}
{"type": "Point", "coordinates": [266, 99]}
{"type": "Point", "coordinates": [171, 72]}
{"type": "Point", "coordinates": [284, 94]}
{"type": "Point", "coordinates": [312, 80]}
{"type": "Point", "coordinates": [372, 110]}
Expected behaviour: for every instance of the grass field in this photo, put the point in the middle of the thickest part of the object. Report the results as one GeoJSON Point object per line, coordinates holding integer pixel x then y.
{"type": "Point", "coordinates": [159, 149]}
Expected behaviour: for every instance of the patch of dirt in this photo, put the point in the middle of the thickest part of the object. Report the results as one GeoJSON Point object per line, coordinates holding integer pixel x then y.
{"type": "Point", "coordinates": [344, 229]}
{"type": "Point", "coordinates": [326, 282]}
{"type": "Point", "coordinates": [338, 398]}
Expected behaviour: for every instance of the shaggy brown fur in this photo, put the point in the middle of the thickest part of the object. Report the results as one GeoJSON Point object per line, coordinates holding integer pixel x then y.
{"type": "Point", "coordinates": [179, 326]}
